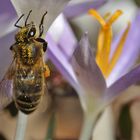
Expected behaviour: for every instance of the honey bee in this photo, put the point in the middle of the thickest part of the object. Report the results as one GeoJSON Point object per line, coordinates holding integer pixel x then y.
{"type": "Point", "coordinates": [24, 81]}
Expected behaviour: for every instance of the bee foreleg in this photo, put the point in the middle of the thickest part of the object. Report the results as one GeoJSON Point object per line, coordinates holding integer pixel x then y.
{"type": "Point", "coordinates": [45, 44]}
{"type": "Point", "coordinates": [41, 28]}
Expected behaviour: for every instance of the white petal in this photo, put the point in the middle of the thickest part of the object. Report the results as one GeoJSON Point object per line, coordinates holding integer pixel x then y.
{"type": "Point", "coordinates": [58, 26]}
{"type": "Point", "coordinates": [39, 7]}
{"type": "Point", "coordinates": [88, 75]}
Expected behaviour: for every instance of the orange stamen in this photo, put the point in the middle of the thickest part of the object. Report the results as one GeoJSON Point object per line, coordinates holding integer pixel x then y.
{"type": "Point", "coordinates": [118, 50]}
{"type": "Point", "coordinates": [95, 14]}
{"type": "Point", "coordinates": [105, 39]}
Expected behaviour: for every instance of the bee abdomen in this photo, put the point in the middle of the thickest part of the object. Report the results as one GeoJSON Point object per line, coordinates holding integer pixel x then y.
{"type": "Point", "coordinates": [27, 103]}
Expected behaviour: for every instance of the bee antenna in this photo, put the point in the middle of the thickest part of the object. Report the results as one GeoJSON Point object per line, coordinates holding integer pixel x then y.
{"type": "Point", "coordinates": [41, 28]}
{"type": "Point", "coordinates": [18, 21]}
{"type": "Point", "coordinates": [27, 17]}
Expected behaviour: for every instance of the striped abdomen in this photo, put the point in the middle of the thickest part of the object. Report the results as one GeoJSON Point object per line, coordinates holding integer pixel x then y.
{"type": "Point", "coordinates": [28, 89]}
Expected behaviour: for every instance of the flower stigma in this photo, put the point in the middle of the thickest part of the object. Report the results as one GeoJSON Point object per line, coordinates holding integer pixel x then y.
{"type": "Point", "coordinates": [103, 59]}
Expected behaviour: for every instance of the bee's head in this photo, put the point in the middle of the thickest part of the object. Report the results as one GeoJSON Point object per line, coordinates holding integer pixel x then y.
{"type": "Point", "coordinates": [26, 33]}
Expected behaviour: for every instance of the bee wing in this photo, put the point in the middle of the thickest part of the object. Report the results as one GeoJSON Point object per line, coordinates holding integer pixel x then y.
{"type": "Point", "coordinates": [45, 104]}
{"type": "Point", "coordinates": [47, 98]}
{"type": "Point", "coordinates": [6, 86]}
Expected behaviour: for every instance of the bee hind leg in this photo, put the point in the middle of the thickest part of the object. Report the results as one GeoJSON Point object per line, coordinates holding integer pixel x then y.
{"type": "Point", "coordinates": [47, 71]}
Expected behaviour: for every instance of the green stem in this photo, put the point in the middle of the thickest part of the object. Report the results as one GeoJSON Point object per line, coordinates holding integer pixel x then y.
{"type": "Point", "coordinates": [21, 126]}
{"type": "Point", "coordinates": [51, 127]}
{"type": "Point", "coordinates": [87, 128]}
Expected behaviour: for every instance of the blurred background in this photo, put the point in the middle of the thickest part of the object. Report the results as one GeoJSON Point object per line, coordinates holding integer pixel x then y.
{"type": "Point", "coordinates": [62, 99]}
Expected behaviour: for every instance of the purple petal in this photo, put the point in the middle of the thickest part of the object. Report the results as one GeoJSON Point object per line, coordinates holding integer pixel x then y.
{"type": "Point", "coordinates": [67, 41]}
{"type": "Point", "coordinates": [6, 26]}
{"type": "Point", "coordinates": [7, 18]}
{"type": "Point", "coordinates": [122, 84]}
{"type": "Point", "coordinates": [8, 9]}
{"type": "Point", "coordinates": [74, 10]}
{"type": "Point", "coordinates": [86, 69]}
{"type": "Point", "coordinates": [63, 35]}
{"type": "Point", "coordinates": [59, 60]}
{"type": "Point", "coordinates": [130, 52]}
{"type": "Point", "coordinates": [5, 53]}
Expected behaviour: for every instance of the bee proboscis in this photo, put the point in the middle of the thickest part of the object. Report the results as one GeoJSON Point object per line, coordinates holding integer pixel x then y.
{"type": "Point", "coordinates": [24, 81]}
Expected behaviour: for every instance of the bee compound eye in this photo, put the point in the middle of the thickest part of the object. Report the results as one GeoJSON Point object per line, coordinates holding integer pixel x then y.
{"type": "Point", "coordinates": [32, 32]}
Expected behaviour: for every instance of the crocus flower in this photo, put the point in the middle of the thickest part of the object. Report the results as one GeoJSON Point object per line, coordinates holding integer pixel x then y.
{"type": "Point", "coordinates": [94, 91]}
{"type": "Point", "coordinates": [91, 72]}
